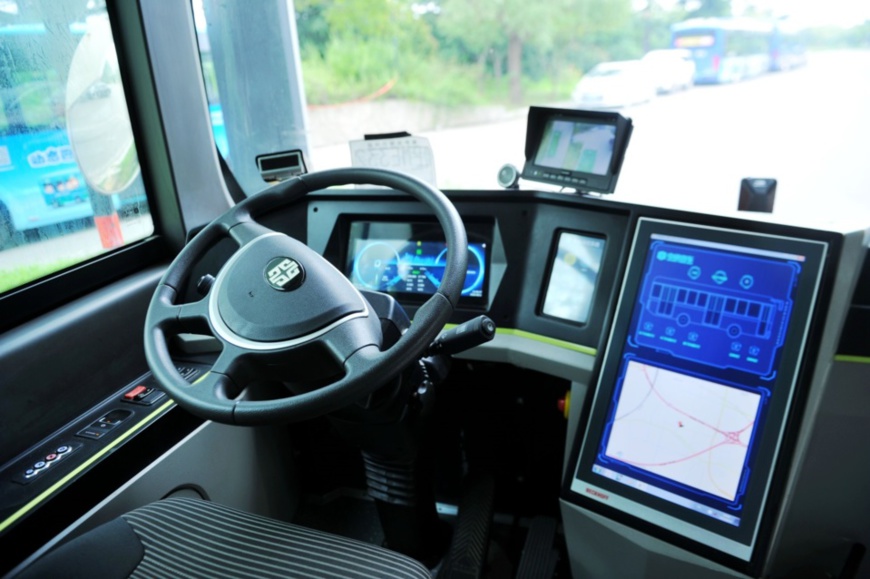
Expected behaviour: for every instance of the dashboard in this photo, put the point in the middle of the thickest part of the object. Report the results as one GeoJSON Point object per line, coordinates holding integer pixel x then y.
{"type": "Point", "coordinates": [699, 350]}
{"type": "Point", "coordinates": [694, 342]}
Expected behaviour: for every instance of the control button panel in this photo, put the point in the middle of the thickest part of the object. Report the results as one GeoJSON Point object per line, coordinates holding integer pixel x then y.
{"type": "Point", "coordinates": [146, 395]}
{"type": "Point", "coordinates": [143, 395]}
{"type": "Point", "coordinates": [104, 424]}
{"type": "Point", "coordinates": [51, 458]}
{"type": "Point", "coordinates": [37, 469]}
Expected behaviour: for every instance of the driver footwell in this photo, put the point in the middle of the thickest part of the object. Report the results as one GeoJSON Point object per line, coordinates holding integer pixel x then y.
{"type": "Point", "coordinates": [495, 443]}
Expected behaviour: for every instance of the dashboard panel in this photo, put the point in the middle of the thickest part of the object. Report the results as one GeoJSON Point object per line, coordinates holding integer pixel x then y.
{"type": "Point", "coordinates": [599, 292]}
{"type": "Point", "coordinates": [519, 238]}
{"type": "Point", "coordinates": [724, 310]}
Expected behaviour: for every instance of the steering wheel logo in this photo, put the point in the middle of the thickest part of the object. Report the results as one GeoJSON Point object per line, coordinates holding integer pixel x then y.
{"type": "Point", "coordinates": [284, 274]}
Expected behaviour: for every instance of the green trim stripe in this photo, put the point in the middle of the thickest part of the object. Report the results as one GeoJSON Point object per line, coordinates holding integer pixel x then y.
{"type": "Point", "coordinates": [539, 338]}
{"type": "Point", "coordinates": [852, 359]}
{"type": "Point", "coordinates": [56, 486]}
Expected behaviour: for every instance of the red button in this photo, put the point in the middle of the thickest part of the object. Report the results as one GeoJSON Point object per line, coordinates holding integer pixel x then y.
{"type": "Point", "coordinates": [135, 392]}
{"type": "Point", "coordinates": [51, 457]}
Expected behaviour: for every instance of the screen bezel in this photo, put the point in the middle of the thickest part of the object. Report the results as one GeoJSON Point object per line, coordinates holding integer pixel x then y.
{"type": "Point", "coordinates": [427, 230]}
{"type": "Point", "coordinates": [582, 181]}
{"type": "Point", "coordinates": [668, 521]}
{"type": "Point", "coordinates": [551, 265]}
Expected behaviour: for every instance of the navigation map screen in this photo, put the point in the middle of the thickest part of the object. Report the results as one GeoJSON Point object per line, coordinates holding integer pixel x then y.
{"type": "Point", "coordinates": [408, 260]}
{"type": "Point", "coordinates": [577, 146]}
{"type": "Point", "coordinates": [694, 390]}
{"type": "Point", "coordinates": [573, 277]}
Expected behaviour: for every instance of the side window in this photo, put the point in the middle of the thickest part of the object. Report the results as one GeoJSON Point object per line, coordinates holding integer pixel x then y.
{"type": "Point", "coordinates": [70, 185]}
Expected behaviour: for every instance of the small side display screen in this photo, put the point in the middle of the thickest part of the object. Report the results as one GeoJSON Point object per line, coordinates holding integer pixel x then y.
{"type": "Point", "coordinates": [573, 277]}
{"type": "Point", "coordinates": [696, 383]}
{"type": "Point", "coordinates": [407, 260]}
{"type": "Point", "coordinates": [577, 146]}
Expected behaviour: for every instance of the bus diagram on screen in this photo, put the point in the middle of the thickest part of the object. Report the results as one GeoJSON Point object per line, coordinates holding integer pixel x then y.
{"type": "Point", "coordinates": [576, 146]}
{"type": "Point", "coordinates": [724, 310]}
{"type": "Point", "coordinates": [697, 373]}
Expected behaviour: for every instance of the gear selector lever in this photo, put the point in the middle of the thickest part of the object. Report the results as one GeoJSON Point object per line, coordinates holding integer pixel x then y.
{"type": "Point", "coordinates": [464, 336]}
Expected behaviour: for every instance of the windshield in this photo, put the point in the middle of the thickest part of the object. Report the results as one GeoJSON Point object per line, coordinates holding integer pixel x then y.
{"type": "Point", "coordinates": [753, 101]}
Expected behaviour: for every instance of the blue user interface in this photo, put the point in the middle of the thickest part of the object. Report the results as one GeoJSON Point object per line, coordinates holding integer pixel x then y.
{"type": "Point", "coordinates": [721, 309]}
{"type": "Point", "coordinates": [412, 266]}
{"type": "Point", "coordinates": [697, 371]}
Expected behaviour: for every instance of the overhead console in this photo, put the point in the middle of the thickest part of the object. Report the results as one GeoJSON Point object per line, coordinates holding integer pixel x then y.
{"type": "Point", "coordinates": [687, 422]}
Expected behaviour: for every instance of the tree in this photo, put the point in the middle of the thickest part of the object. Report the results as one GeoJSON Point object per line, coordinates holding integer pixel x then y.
{"type": "Point", "coordinates": [512, 25]}
{"type": "Point", "coordinates": [364, 43]}
{"type": "Point", "coordinates": [709, 8]}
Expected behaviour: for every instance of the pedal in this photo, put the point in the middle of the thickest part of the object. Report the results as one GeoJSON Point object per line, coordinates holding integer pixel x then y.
{"type": "Point", "coordinates": [468, 548]}
{"type": "Point", "coordinates": [539, 556]}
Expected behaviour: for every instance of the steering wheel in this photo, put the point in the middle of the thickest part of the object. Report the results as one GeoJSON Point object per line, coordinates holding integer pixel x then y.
{"type": "Point", "coordinates": [280, 310]}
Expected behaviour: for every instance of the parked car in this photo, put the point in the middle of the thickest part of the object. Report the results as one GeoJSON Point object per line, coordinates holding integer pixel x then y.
{"type": "Point", "coordinates": [614, 84]}
{"type": "Point", "coordinates": [670, 69]}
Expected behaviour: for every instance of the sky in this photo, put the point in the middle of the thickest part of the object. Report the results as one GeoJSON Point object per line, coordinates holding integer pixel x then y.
{"type": "Point", "coordinates": [802, 13]}
{"type": "Point", "coordinates": [813, 12]}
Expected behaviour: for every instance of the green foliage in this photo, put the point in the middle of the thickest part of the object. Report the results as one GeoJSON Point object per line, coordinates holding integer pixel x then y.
{"type": "Point", "coordinates": [355, 71]}
{"type": "Point", "coordinates": [458, 53]}
{"type": "Point", "coordinates": [711, 8]}
{"type": "Point", "coordinates": [312, 27]}
{"type": "Point", "coordinates": [440, 82]}
{"type": "Point", "coordinates": [529, 37]}
{"type": "Point", "coordinates": [18, 276]}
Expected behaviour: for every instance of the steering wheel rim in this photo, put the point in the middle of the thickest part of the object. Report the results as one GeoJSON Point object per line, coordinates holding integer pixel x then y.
{"type": "Point", "coordinates": [349, 336]}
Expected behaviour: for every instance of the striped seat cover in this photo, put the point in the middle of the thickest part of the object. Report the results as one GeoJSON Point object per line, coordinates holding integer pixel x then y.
{"type": "Point", "coordinates": [193, 538]}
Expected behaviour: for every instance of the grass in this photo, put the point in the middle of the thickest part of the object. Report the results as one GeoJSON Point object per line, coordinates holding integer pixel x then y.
{"type": "Point", "coordinates": [346, 76]}
{"type": "Point", "coordinates": [18, 276]}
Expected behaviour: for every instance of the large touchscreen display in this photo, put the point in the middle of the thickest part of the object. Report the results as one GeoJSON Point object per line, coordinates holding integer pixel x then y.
{"type": "Point", "coordinates": [573, 277]}
{"type": "Point", "coordinates": [696, 384]}
{"type": "Point", "coordinates": [408, 259]}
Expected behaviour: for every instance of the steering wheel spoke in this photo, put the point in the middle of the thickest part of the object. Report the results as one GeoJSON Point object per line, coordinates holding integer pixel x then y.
{"type": "Point", "coordinates": [244, 232]}
{"type": "Point", "coordinates": [193, 317]}
{"type": "Point", "coordinates": [163, 313]}
{"type": "Point", "coordinates": [212, 394]}
{"type": "Point", "coordinates": [174, 318]}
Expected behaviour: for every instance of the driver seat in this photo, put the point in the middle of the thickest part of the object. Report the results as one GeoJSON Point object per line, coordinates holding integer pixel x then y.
{"type": "Point", "coordinates": [183, 537]}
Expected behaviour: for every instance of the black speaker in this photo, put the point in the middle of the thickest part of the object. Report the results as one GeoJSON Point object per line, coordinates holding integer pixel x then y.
{"type": "Point", "coordinates": [508, 176]}
{"type": "Point", "coordinates": [757, 195]}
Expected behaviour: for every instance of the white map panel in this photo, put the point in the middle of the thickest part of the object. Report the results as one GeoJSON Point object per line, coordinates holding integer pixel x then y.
{"type": "Point", "coordinates": [691, 431]}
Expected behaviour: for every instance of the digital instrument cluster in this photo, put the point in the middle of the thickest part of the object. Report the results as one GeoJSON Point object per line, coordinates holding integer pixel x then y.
{"type": "Point", "coordinates": [407, 260]}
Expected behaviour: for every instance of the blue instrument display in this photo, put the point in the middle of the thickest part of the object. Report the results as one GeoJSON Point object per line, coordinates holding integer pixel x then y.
{"type": "Point", "coordinates": [411, 266]}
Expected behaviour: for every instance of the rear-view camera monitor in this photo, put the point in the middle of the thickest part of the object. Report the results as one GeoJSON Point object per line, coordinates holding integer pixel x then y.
{"type": "Point", "coordinates": [576, 148]}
